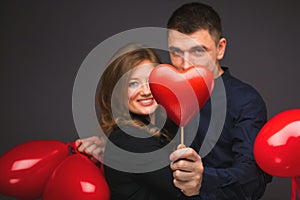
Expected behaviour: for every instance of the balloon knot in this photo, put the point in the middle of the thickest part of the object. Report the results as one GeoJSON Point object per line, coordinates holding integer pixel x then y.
{"type": "Point", "coordinates": [72, 148]}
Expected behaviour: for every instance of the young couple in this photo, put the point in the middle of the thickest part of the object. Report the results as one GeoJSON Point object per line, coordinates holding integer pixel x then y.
{"type": "Point", "coordinates": [132, 121]}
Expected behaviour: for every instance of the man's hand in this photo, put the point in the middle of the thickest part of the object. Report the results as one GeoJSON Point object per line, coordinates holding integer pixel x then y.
{"type": "Point", "coordinates": [187, 170]}
{"type": "Point", "coordinates": [93, 146]}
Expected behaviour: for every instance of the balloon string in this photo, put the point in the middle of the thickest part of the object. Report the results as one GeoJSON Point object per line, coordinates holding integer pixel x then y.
{"type": "Point", "coordinates": [295, 188]}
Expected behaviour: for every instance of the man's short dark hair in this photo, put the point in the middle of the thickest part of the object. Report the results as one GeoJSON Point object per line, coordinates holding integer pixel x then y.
{"type": "Point", "coordinates": [192, 17]}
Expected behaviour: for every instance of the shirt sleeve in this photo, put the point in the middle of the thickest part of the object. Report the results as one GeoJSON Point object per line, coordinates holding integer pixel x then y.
{"type": "Point", "coordinates": [243, 179]}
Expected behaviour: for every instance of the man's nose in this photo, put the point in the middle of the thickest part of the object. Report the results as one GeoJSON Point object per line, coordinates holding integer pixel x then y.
{"type": "Point", "coordinates": [185, 62]}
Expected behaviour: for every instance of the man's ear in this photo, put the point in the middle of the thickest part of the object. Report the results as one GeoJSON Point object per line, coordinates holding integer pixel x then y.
{"type": "Point", "coordinates": [221, 48]}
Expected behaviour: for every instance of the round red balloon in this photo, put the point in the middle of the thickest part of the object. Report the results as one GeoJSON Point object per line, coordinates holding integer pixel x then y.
{"type": "Point", "coordinates": [76, 178]}
{"type": "Point", "coordinates": [181, 93]}
{"type": "Point", "coordinates": [277, 146]}
{"type": "Point", "coordinates": [25, 168]}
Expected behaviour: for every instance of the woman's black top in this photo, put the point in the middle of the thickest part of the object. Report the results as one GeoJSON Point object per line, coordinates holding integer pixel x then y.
{"type": "Point", "coordinates": [130, 185]}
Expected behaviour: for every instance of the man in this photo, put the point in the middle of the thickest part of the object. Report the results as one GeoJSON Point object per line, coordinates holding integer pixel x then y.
{"type": "Point", "coordinates": [229, 170]}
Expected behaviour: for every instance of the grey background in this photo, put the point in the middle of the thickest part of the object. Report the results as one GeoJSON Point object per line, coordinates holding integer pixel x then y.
{"type": "Point", "coordinates": [43, 43]}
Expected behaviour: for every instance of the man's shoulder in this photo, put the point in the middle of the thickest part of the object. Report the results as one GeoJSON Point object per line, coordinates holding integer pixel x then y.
{"type": "Point", "coordinates": [240, 93]}
{"type": "Point", "coordinates": [235, 86]}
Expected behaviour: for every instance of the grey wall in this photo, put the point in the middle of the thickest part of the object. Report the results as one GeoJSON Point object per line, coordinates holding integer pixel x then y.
{"type": "Point", "coordinates": [43, 43]}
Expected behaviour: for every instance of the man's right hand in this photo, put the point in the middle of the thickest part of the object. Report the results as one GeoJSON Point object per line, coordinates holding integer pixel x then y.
{"type": "Point", "coordinates": [187, 170]}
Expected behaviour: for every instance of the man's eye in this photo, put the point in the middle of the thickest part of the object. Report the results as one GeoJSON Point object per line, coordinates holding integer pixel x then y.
{"type": "Point", "coordinates": [133, 84]}
{"type": "Point", "coordinates": [198, 51]}
{"type": "Point", "coordinates": [177, 52]}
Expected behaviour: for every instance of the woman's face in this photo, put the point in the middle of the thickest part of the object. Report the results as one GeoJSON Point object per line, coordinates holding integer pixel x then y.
{"type": "Point", "coordinates": [140, 97]}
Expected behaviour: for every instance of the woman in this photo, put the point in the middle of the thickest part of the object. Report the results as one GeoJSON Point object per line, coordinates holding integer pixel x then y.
{"type": "Point", "coordinates": [131, 118]}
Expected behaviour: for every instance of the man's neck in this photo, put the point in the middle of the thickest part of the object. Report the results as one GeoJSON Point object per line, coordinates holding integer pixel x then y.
{"type": "Point", "coordinates": [219, 72]}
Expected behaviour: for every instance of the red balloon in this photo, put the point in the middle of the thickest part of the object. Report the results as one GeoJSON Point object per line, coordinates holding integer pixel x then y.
{"type": "Point", "coordinates": [277, 146]}
{"type": "Point", "coordinates": [181, 93]}
{"type": "Point", "coordinates": [76, 178]}
{"type": "Point", "coordinates": [25, 168]}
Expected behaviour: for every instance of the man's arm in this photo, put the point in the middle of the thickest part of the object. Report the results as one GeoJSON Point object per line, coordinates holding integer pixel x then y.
{"type": "Point", "coordinates": [242, 179]}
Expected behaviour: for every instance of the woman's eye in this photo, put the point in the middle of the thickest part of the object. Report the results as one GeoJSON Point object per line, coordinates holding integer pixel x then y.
{"type": "Point", "coordinates": [133, 84]}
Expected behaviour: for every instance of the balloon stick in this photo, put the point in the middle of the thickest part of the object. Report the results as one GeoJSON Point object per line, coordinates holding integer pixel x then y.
{"type": "Point", "coordinates": [182, 135]}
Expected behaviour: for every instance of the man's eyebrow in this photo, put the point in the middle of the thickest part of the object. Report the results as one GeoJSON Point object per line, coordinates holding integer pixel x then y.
{"type": "Point", "coordinates": [174, 48]}
{"type": "Point", "coordinates": [199, 47]}
{"type": "Point", "coordinates": [171, 48]}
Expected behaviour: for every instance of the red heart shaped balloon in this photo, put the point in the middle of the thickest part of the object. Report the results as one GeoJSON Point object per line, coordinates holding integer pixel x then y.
{"type": "Point", "coordinates": [76, 178]}
{"type": "Point", "coordinates": [276, 147]}
{"type": "Point", "coordinates": [25, 168]}
{"type": "Point", "coordinates": [181, 93]}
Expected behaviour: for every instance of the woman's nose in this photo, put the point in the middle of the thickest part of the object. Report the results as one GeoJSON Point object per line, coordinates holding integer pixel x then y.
{"type": "Point", "coordinates": [145, 89]}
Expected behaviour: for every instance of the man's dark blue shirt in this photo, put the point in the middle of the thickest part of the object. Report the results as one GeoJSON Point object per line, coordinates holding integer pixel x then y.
{"type": "Point", "coordinates": [228, 126]}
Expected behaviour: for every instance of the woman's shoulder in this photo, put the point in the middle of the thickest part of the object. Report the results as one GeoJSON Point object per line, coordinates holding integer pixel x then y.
{"type": "Point", "coordinates": [135, 139]}
{"type": "Point", "coordinates": [127, 133]}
